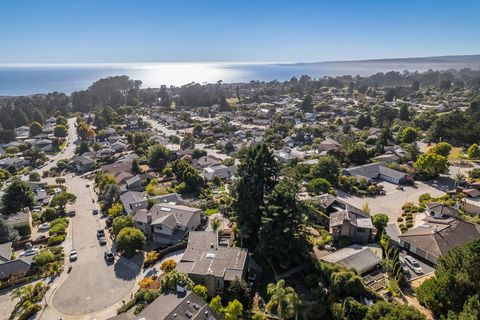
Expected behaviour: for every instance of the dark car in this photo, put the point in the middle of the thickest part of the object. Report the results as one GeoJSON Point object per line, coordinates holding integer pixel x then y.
{"type": "Point", "coordinates": [109, 256]}
{"type": "Point", "coordinates": [100, 233]}
{"type": "Point", "coordinates": [95, 211]}
{"type": "Point", "coordinates": [102, 241]}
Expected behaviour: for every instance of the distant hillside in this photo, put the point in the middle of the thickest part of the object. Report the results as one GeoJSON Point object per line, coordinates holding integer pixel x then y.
{"type": "Point", "coordinates": [468, 60]}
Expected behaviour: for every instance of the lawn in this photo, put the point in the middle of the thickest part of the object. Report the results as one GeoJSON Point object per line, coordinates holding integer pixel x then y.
{"type": "Point", "coordinates": [211, 211]}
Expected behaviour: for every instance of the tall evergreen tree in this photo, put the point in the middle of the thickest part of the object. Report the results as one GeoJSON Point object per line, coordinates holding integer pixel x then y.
{"type": "Point", "coordinates": [257, 176]}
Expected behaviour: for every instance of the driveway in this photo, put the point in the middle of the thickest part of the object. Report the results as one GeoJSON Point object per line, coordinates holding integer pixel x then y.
{"type": "Point", "coordinates": [93, 284]}
{"type": "Point", "coordinates": [427, 267]}
{"type": "Point", "coordinates": [391, 203]}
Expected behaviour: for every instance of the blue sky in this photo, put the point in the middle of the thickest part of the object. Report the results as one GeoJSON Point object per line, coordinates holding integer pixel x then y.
{"type": "Point", "coordinates": [85, 31]}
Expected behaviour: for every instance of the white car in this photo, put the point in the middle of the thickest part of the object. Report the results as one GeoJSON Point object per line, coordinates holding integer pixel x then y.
{"type": "Point", "coordinates": [413, 264]}
{"type": "Point", "coordinates": [44, 226]}
{"type": "Point", "coordinates": [73, 255]}
{"type": "Point", "coordinates": [29, 252]}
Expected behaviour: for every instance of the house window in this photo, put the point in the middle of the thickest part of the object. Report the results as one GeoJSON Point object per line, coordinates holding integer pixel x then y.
{"type": "Point", "coordinates": [361, 230]}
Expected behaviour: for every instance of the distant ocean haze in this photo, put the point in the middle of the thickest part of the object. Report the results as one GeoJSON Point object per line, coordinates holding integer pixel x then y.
{"type": "Point", "coordinates": [37, 78]}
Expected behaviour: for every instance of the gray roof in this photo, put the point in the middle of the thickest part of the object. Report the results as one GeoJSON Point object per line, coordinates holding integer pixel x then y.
{"type": "Point", "coordinates": [130, 199]}
{"type": "Point", "coordinates": [437, 236]}
{"type": "Point", "coordinates": [201, 258]}
{"type": "Point", "coordinates": [159, 212]}
{"type": "Point", "coordinates": [169, 198]}
{"type": "Point", "coordinates": [374, 170]}
{"type": "Point", "coordinates": [15, 267]}
{"type": "Point", "coordinates": [441, 209]}
{"type": "Point", "coordinates": [5, 251]}
{"type": "Point", "coordinates": [360, 258]}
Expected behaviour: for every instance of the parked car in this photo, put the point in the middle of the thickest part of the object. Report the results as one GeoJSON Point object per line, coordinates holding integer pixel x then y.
{"type": "Point", "coordinates": [102, 241]}
{"type": "Point", "coordinates": [44, 226]}
{"type": "Point", "coordinates": [73, 255]}
{"type": "Point", "coordinates": [109, 256]}
{"type": "Point", "coordinates": [403, 265]}
{"type": "Point", "coordinates": [100, 233]}
{"type": "Point", "coordinates": [413, 264]}
{"type": "Point", "coordinates": [29, 252]}
{"type": "Point", "coordinates": [94, 211]}
{"type": "Point", "coordinates": [71, 213]}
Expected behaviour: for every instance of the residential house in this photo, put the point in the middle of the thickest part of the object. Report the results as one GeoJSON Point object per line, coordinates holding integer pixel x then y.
{"type": "Point", "coordinates": [81, 163]}
{"type": "Point", "coordinates": [133, 201]}
{"type": "Point", "coordinates": [179, 305]}
{"type": "Point", "coordinates": [327, 145]}
{"type": "Point", "coordinates": [5, 252]}
{"type": "Point", "coordinates": [438, 235]}
{"type": "Point", "coordinates": [211, 265]}
{"type": "Point", "coordinates": [20, 220]}
{"type": "Point", "coordinates": [361, 258]}
{"type": "Point", "coordinates": [378, 171]}
{"type": "Point", "coordinates": [16, 269]}
{"type": "Point", "coordinates": [205, 161]}
{"type": "Point", "coordinates": [346, 220]}
{"type": "Point", "coordinates": [167, 224]}
{"type": "Point", "coordinates": [221, 171]}
{"type": "Point", "coordinates": [43, 145]}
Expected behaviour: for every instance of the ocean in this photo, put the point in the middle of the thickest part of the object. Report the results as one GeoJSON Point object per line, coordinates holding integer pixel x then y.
{"type": "Point", "coordinates": [29, 79]}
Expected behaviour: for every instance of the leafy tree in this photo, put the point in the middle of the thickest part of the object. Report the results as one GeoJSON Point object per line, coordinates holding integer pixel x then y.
{"type": "Point", "coordinates": [408, 135]}
{"type": "Point", "coordinates": [130, 240]}
{"type": "Point", "coordinates": [109, 196]}
{"type": "Point", "coordinates": [233, 311]}
{"type": "Point", "coordinates": [18, 195]}
{"type": "Point", "coordinates": [60, 131]}
{"type": "Point", "coordinates": [458, 272]}
{"type": "Point", "coordinates": [380, 221]}
{"type": "Point", "coordinates": [404, 113]}
{"type": "Point", "coordinates": [170, 280]}
{"type": "Point", "coordinates": [34, 176]}
{"type": "Point", "coordinates": [35, 128]}
{"type": "Point", "coordinates": [121, 222]}
{"type": "Point", "coordinates": [115, 211]}
{"type": "Point", "coordinates": [257, 176]}
{"type": "Point", "coordinates": [201, 291]}
{"type": "Point", "coordinates": [216, 304]}
{"type": "Point", "coordinates": [189, 177]}
{"type": "Point", "coordinates": [320, 186]}
{"type": "Point", "coordinates": [188, 142]}
{"type": "Point", "coordinates": [284, 300]}
{"type": "Point", "coordinates": [307, 104]}
{"type": "Point", "coordinates": [328, 168]}
{"type": "Point", "coordinates": [353, 310]}
{"type": "Point", "coordinates": [391, 311]}
{"type": "Point", "coordinates": [346, 283]}
{"type": "Point", "coordinates": [158, 156]}
{"type": "Point", "coordinates": [61, 200]}
{"type": "Point", "coordinates": [49, 214]}
{"type": "Point", "coordinates": [82, 148]}
{"type": "Point", "coordinates": [357, 155]}
{"type": "Point", "coordinates": [215, 224]}
{"type": "Point", "coordinates": [197, 130]}
{"type": "Point", "coordinates": [473, 151]}
{"type": "Point", "coordinates": [168, 265]}
{"type": "Point", "coordinates": [135, 167]}
{"type": "Point", "coordinates": [7, 232]}
{"type": "Point", "coordinates": [62, 121]}
{"type": "Point", "coordinates": [431, 164]}
{"type": "Point", "coordinates": [441, 148]}
{"type": "Point", "coordinates": [238, 289]}
{"type": "Point", "coordinates": [43, 258]}
{"type": "Point", "coordinates": [470, 311]}
{"type": "Point", "coordinates": [198, 153]}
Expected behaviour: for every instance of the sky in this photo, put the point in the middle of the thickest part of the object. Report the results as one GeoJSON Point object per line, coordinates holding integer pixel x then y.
{"type": "Point", "coordinates": [116, 31]}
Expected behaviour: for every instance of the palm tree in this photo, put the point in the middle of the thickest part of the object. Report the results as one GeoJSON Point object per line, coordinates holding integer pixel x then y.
{"type": "Point", "coordinates": [460, 179]}
{"type": "Point", "coordinates": [215, 224]}
{"type": "Point", "coordinates": [284, 299]}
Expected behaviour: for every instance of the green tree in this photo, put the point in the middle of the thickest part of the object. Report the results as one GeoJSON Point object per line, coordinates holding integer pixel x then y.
{"type": "Point", "coordinates": [189, 177]}
{"type": "Point", "coordinates": [34, 176]}
{"type": "Point", "coordinates": [393, 311]}
{"type": "Point", "coordinates": [201, 291]}
{"type": "Point", "coordinates": [380, 221]}
{"type": "Point", "coordinates": [7, 232]}
{"type": "Point", "coordinates": [215, 224]}
{"type": "Point", "coordinates": [158, 156]}
{"type": "Point", "coordinates": [307, 104]}
{"type": "Point", "coordinates": [353, 310]}
{"type": "Point", "coordinates": [121, 222]}
{"type": "Point", "coordinates": [18, 195]}
{"type": "Point", "coordinates": [430, 165]}
{"type": "Point", "coordinates": [43, 258]}
{"type": "Point", "coordinates": [62, 121]}
{"type": "Point", "coordinates": [458, 272]}
{"type": "Point", "coordinates": [130, 240]}
{"type": "Point", "coordinates": [60, 131]}
{"type": "Point", "coordinates": [135, 167]}
{"type": "Point", "coordinates": [404, 113]}
{"type": "Point", "coordinates": [116, 210]}
{"type": "Point", "coordinates": [441, 148]}
{"type": "Point", "coordinates": [35, 128]}
{"type": "Point", "coordinates": [470, 311]}
{"type": "Point", "coordinates": [357, 154]}
{"type": "Point", "coordinates": [216, 304]}
{"type": "Point", "coordinates": [188, 142]}
{"type": "Point", "coordinates": [408, 135]}
{"type": "Point", "coordinates": [328, 168]}
{"type": "Point", "coordinates": [239, 290]}
{"type": "Point", "coordinates": [197, 130]}
{"type": "Point", "coordinates": [233, 311]}
{"type": "Point", "coordinates": [473, 151]}
{"type": "Point", "coordinates": [49, 214]}
{"type": "Point", "coordinates": [283, 300]}
{"type": "Point", "coordinates": [82, 148]}
{"type": "Point", "coordinates": [62, 199]}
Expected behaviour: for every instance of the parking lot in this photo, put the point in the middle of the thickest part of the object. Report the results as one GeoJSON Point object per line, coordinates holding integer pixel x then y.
{"type": "Point", "coordinates": [391, 203]}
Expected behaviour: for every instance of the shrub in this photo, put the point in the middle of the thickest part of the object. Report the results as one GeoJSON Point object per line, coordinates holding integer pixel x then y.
{"type": "Point", "coordinates": [168, 265]}
{"type": "Point", "coordinates": [400, 219]}
{"type": "Point", "coordinates": [403, 228]}
{"type": "Point", "coordinates": [145, 282]}
{"type": "Point", "coordinates": [150, 258]}
{"type": "Point", "coordinates": [56, 239]}
{"type": "Point", "coordinates": [409, 225]}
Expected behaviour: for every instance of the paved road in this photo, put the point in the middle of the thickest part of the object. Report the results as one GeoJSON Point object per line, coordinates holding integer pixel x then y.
{"type": "Point", "coordinates": [93, 284]}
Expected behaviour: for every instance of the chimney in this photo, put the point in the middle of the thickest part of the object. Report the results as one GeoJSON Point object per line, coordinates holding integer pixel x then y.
{"type": "Point", "coordinates": [149, 218]}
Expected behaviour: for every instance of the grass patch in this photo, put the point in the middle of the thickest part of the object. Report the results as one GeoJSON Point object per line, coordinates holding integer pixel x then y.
{"type": "Point", "coordinates": [267, 275]}
{"type": "Point", "coordinates": [211, 211]}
